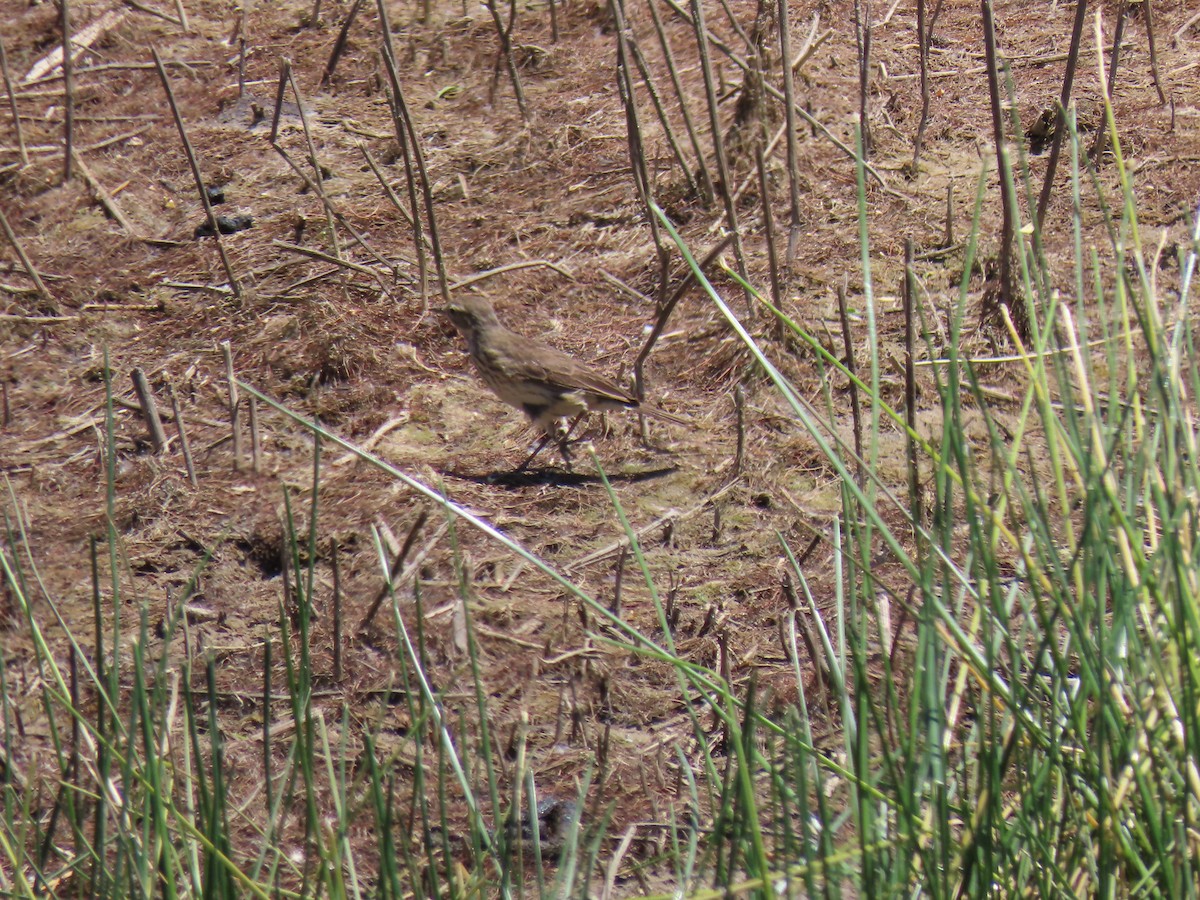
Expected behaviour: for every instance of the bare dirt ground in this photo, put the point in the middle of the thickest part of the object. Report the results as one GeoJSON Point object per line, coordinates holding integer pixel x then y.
{"type": "Point", "coordinates": [358, 352]}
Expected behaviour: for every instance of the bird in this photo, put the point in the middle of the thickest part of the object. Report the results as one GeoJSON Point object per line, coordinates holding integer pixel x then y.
{"type": "Point", "coordinates": [542, 381]}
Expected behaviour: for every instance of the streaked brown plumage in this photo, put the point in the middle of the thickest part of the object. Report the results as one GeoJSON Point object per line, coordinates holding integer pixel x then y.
{"type": "Point", "coordinates": [545, 383]}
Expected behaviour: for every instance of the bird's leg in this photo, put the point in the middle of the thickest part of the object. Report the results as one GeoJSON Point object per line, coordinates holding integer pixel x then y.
{"type": "Point", "coordinates": [546, 424]}
{"type": "Point", "coordinates": [563, 446]}
{"type": "Point", "coordinates": [547, 436]}
{"type": "Point", "coordinates": [536, 450]}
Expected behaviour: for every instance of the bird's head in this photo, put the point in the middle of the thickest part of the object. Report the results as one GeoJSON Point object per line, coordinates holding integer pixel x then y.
{"type": "Point", "coordinates": [469, 314]}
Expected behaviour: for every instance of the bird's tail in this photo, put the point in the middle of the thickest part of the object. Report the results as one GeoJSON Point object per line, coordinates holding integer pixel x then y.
{"type": "Point", "coordinates": [654, 413]}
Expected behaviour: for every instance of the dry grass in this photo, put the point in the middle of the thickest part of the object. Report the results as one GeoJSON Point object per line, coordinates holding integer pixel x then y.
{"type": "Point", "coordinates": [356, 354]}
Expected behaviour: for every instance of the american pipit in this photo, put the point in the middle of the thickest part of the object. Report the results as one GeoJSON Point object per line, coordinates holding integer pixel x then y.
{"type": "Point", "coordinates": [545, 383]}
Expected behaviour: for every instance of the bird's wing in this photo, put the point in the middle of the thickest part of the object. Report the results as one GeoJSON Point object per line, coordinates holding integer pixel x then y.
{"type": "Point", "coordinates": [580, 377]}
{"type": "Point", "coordinates": [533, 364]}
{"type": "Point", "coordinates": [538, 362]}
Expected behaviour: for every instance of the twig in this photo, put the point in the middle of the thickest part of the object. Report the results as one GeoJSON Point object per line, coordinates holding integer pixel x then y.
{"type": "Point", "coordinates": [665, 312]}
{"type": "Point", "coordinates": [768, 150]}
{"type": "Point", "coordinates": [184, 444]}
{"type": "Point", "coordinates": [855, 403]}
{"type": "Point", "coordinates": [948, 236]}
{"type": "Point", "coordinates": [793, 142]}
{"type": "Point", "coordinates": [511, 267]}
{"type": "Point", "coordinates": [739, 407]}
{"type": "Point", "coordinates": [1060, 116]}
{"type": "Point", "coordinates": [910, 386]}
{"type": "Point", "coordinates": [923, 54]}
{"type": "Point", "coordinates": [255, 439]}
{"type": "Point", "coordinates": [123, 307]}
{"type": "Point", "coordinates": [390, 193]}
{"type": "Point", "coordinates": [285, 67]}
{"type": "Point", "coordinates": [149, 10]}
{"type": "Point", "coordinates": [637, 150]}
{"type": "Point", "coordinates": [1182, 29]}
{"type": "Point", "coordinates": [937, 11]}
{"type": "Point", "coordinates": [817, 126]}
{"type": "Point", "coordinates": [200, 187]}
{"type": "Point", "coordinates": [1162, 98]}
{"type": "Point", "coordinates": [37, 320]}
{"type": "Point", "coordinates": [736, 25]}
{"type": "Point", "coordinates": [731, 217]}
{"type": "Point", "coordinates": [107, 142]}
{"type": "Point", "coordinates": [883, 23]}
{"type": "Point", "coordinates": [317, 186]}
{"type": "Point", "coordinates": [670, 516]}
{"type": "Point", "coordinates": [12, 104]}
{"type": "Point", "coordinates": [707, 192]}
{"type": "Point", "coordinates": [618, 578]}
{"type": "Point", "coordinates": [234, 412]}
{"type": "Point", "coordinates": [1101, 142]}
{"type": "Point", "coordinates": [89, 148]}
{"type": "Point", "coordinates": [660, 111]}
{"type": "Point", "coordinates": [396, 568]}
{"type": "Point", "coordinates": [862, 41]}
{"type": "Point", "coordinates": [410, 182]}
{"type": "Point", "coordinates": [769, 229]}
{"type": "Point", "coordinates": [337, 609]}
{"type": "Point", "coordinates": [629, 290]}
{"type": "Point", "coordinates": [103, 197]}
{"type": "Point", "coordinates": [141, 387]}
{"type": "Point", "coordinates": [1006, 227]}
{"type": "Point", "coordinates": [402, 115]}
{"type": "Point", "coordinates": [341, 219]}
{"type": "Point", "coordinates": [115, 139]}
{"type": "Point", "coordinates": [288, 292]}
{"type": "Point", "coordinates": [616, 546]}
{"type": "Point", "coordinates": [80, 41]}
{"type": "Point", "coordinates": [325, 257]}
{"type": "Point", "coordinates": [68, 64]}
{"type": "Point", "coordinates": [339, 45]}
{"type": "Point", "coordinates": [30, 270]}
{"type": "Point", "coordinates": [56, 74]}
{"type": "Point", "coordinates": [505, 35]}
{"type": "Point", "coordinates": [221, 290]}
{"type": "Point", "coordinates": [242, 83]}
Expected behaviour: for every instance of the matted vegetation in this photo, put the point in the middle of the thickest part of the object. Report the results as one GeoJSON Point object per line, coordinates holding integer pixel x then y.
{"type": "Point", "coordinates": [910, 606]}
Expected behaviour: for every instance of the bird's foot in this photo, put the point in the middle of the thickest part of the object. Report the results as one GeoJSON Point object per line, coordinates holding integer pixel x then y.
{"type": "Point", "coordinates": [564, 450]}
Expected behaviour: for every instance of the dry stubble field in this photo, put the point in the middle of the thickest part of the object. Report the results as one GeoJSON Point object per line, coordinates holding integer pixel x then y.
{"type": "Point", "coordinates": [360, 351]}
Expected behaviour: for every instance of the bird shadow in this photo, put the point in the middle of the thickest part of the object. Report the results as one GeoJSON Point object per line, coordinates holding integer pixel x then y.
{"type": "Point", "coordinates": [551, 475]}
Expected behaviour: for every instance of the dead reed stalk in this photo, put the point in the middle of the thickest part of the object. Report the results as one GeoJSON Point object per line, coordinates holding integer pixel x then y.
{"type": "Point", "coordinates": [1064, 101]}
{"type": "Point", "coordinates": [145, 396]}
{"type": "Point", "coordinates": [1004, 295]}
{"type": "Point", "coordinates": [637, 147]}
{"type": "Point", "coordinates": [68, 66]}
{"type": "Point", "coordinates": [723, 172]}
{"type": "Point", "coordinates": [235, 421]}
{"type": "Point", "coordinates": [504, 33]}
{"type": "Point", "coordinates": [210, 217]}
{"type": "Point", "coordinates": [406, 132]}
{"type": "Point", "coordinates": [12, 105]}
